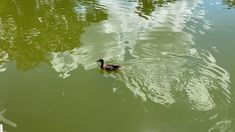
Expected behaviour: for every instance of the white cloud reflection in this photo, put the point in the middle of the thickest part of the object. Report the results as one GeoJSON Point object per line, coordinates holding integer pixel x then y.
{"type": "Point", "coordinates": [162, 59]}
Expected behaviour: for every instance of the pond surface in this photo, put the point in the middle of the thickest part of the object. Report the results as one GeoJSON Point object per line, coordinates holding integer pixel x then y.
{"type": "Point", "coordinates": [178, 59]}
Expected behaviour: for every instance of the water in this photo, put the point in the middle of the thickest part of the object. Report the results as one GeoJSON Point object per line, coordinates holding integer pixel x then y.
{"type": "Point", "coordinates": [177, 57]}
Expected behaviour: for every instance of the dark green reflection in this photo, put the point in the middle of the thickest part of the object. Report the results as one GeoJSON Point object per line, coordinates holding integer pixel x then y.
{"type": "Point", "coordinates": [230, 3]}
{"type": "Point", "coordinates": [163, 2]}
{"type": "Point", "coordinates": [146, 7]}
{"type": "Point", "coordinates": [94, 12]}
{"type": "Point", "coordinates": [31, 29]}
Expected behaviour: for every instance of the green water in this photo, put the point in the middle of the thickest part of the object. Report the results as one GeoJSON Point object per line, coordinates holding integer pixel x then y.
{"type": "Point", "coordinates": [178, 59]}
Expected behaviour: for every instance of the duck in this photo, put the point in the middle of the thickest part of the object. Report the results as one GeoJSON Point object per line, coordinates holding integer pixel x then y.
{"type": "Point", "coordinates": [108, 67]}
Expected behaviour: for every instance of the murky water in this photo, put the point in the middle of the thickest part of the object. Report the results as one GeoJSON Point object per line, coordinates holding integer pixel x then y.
{"type": "Point", "coordinates": [177, 57]}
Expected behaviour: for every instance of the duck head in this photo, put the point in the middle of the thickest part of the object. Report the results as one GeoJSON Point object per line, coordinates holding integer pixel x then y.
{"type": "Point", "coordinates": [100, 60]}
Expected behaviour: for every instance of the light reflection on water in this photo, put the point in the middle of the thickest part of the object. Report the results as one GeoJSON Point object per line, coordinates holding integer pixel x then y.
{"type": "Point", "coordinates": [3, 119]}
{"type": "Point", "coordinates": [3, 60]}
{"type": "Point", "coordinates": [152, 73]}
{"type": "Point", "coordinates": [191, 76]}
{"type": "Point", "coordinates": [155, 46]}
{"type": "Point", "coordinates": [222, 126]}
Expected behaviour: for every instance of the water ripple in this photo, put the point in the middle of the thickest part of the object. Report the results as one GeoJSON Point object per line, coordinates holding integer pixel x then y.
{"type": "Point", "coordinates": [223, 126]}
{"type": "Point", "coordinates": [196, 76]}
{"type": "Point", "coordinates": [160, 64]}
{"type": "Point", "coordinates": [3, 60]}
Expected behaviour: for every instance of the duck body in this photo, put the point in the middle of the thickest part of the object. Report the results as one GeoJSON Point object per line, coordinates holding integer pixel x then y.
{"type": "Point", "coordinates": [108, 67]}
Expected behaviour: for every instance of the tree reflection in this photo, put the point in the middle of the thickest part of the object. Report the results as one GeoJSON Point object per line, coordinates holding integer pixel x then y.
{"type": "Point", "coordinates": [230, 3]}
{"type": "Point", "coordinates": [31, 29]}
{"type": "Point", "coordinates": [94, 12]}
{"type": "Point", "coordinates": [146, 7]}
